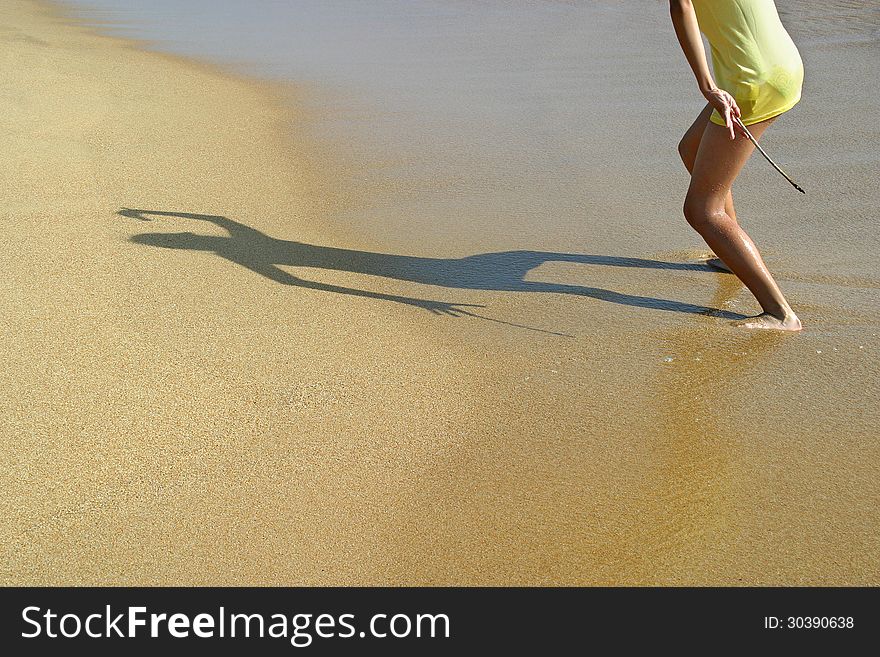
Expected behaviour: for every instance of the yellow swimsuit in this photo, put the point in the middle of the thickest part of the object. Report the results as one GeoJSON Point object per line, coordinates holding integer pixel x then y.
{"type": "Point", "coordinates": [754, 59]}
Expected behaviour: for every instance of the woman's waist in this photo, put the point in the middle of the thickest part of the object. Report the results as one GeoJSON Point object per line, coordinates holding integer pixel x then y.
{"type": "Point", "coordinates": [750, 68]}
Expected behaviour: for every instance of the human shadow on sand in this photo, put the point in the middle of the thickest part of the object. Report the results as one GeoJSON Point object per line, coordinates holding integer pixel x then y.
{"type": "Point", "coordinates": [503, 271]}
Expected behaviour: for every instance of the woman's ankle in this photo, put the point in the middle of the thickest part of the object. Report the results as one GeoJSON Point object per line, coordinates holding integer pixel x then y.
{"type": "Point", "coordinates": [780, 311]}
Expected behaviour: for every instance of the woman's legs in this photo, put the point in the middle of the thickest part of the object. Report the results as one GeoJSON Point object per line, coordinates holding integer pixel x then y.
{"type": "Point", "coordinates": [717, 163]}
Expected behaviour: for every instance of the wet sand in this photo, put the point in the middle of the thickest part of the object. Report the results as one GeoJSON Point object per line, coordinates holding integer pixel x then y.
{"type": "Point", "coordinates": [175, 408]}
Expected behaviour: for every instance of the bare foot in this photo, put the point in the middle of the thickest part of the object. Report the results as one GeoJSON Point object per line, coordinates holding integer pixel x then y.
{"type": "Point", "coordinates": [718, 263]}
{"type": "Point", "coordinates": [767, 321]}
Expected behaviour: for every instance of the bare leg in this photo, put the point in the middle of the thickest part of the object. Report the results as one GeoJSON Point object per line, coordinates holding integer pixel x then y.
{"type": "Point", "coordinates": [717, 164]}
{"type": "Point", "coordinates": [687, 149]}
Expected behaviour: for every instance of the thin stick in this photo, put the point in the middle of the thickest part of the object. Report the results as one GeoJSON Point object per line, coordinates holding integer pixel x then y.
{"type": "Point", "coordinates": [761, 150]}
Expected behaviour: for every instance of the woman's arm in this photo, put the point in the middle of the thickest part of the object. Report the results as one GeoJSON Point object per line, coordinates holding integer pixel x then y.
{"type": "Point", "coordinates": [684, 19]}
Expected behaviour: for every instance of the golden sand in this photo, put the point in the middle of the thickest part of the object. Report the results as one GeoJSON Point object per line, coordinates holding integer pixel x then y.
{"type": "Point", "coordinates": [176, 416]}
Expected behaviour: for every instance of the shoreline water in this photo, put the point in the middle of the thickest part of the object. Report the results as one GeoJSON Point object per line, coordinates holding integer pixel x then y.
{"type": "Point", "coordinates": [183, 413]}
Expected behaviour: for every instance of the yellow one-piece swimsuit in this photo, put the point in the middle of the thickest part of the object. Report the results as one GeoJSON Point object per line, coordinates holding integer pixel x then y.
{"type": "Point", "coordinates": [753, 57]}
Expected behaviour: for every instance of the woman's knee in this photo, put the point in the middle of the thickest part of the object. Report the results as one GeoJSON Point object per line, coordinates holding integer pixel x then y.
{"type": "Point", "coordinates": [687, 150]}
{"type": "Point", "coordinates": [701, 212]}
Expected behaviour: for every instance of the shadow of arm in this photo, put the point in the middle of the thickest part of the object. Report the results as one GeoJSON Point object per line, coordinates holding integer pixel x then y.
{"type": "Point", "coordinates": [280, 276]}
{"type": "Point", "coordinates": [234, 228]}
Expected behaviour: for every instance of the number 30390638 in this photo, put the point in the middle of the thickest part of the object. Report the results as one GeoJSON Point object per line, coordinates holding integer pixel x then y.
{"type": "Point", "coordinates": [809, 622]}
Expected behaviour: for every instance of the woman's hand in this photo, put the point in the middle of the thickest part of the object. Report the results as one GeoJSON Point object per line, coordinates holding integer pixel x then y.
{"type": "Point", "coordinates": [726, 106]}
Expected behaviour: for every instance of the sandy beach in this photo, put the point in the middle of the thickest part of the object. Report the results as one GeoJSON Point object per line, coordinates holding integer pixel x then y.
{"type": "Point", "coordinates": [213, 375]}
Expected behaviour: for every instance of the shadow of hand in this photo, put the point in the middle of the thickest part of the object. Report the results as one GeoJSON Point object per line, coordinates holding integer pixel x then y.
{"type": "Point", "coordinates": [132, 214]}
{"type": "Point", "coordinates": [443, 308]}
